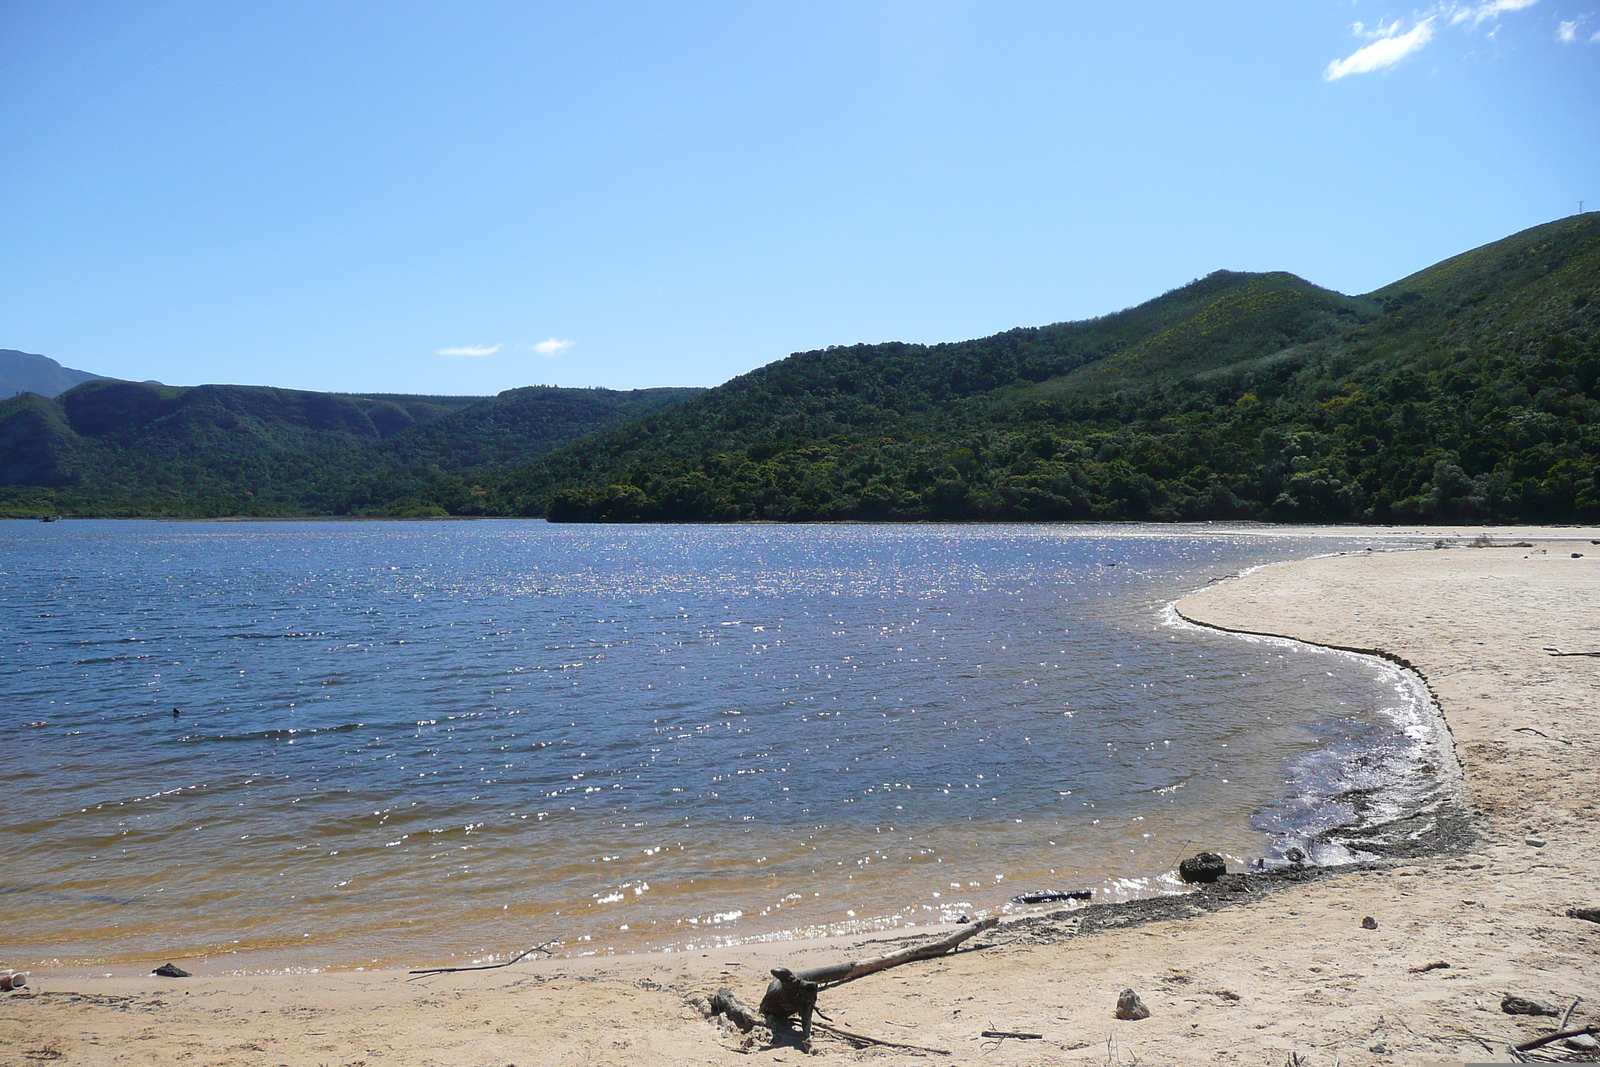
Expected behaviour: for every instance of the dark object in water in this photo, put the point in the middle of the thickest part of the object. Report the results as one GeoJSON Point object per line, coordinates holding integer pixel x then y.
{"type": "Point", "coordinates": [1586, 914]}
{"type": "Point", "coordinates": [1206, 867]}
{"type": "Point", "coordinates": [167, 970]}
{"type": "Point", "coordinates": [1296, 857]}
{"type": "Point", "coordinates": [1515, 1005]}
{"type": "Point", "coordinates": [1047, 896]}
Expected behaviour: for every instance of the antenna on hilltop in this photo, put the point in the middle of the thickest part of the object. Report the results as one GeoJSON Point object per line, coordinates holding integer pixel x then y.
{"type": "Point", "coordinates": [1580, 207]}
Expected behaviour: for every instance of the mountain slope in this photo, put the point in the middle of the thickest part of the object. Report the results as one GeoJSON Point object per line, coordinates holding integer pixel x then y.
{"type": "Point", "coordinates": [126, 448]}
{"type": "Point", "coordinates": [24, 372]}
{"type": "Point", "coordinates": [1467, 390]}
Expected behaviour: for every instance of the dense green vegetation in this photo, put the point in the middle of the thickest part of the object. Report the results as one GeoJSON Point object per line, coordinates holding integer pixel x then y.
{"type": "Point", "coordinates": [1465, 392]}
{"type": "Point", "coordinates": [126, 448]}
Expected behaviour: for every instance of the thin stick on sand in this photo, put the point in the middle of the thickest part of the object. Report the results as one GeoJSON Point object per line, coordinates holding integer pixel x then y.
{"type": "Point", "coordinates": [485, 967]}
{"type": "Point", "coordinates": [1539, 1042]}
{"type": "Point", "coordinates": [865, 1040]}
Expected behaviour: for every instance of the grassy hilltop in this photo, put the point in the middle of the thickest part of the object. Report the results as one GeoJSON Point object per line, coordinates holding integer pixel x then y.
{"type": "Point", "coordinates": [1467, 391]}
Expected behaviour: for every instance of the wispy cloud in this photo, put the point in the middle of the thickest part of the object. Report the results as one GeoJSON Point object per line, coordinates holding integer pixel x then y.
{"type": "Point", "coordinates": [553, 346]}
{"type": "Point", "coordinates": [471, 350]}
{"type": "Point", "coordinates": [1390, 48]}
{"type": "Point", "coordinates": [1572, 32]}
{"type": "Point", "coordinates": [1493, 9]}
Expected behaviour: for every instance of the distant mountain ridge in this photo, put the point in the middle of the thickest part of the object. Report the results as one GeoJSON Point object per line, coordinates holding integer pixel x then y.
{"type": "Point", "coordinates": [25, 372]}
{"type": "Point", "coordinates": [1468, 391]}
{"type": "Point", "coordinates": [110, 447]}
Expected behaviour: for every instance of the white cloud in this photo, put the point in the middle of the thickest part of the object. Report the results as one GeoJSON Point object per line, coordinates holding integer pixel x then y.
{"type": "Point", "coordinates": [1567, 33]}
{"type": "Point", "coordinates": [471, 350]}
{"type": "Point", "coordinates": [1387, 50]}
{"type": "Point", "coordinates": [1389, 46]}
{"type": "Point", "coordinates": [1493, 9]}
{"type": "Point", "coordinates": [553, 346]}
{"type": "Point", "coordinates": [1382, 29]}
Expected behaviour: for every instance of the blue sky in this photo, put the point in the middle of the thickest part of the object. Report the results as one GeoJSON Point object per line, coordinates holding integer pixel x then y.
{"type": "Point", "coordinates": [468, 197]}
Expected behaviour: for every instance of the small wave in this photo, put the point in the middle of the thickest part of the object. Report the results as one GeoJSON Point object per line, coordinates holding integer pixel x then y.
{"type": "Point", "coordinates": [273, 735]}
{"type": "Point", "coordinates": [1366, 794]}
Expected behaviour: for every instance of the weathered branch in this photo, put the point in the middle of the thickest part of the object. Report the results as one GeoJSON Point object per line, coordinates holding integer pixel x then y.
{"type": "Point", "coordinates": [865, 1040]}
{"type": "Point", "coordinates": [726, 1002]}
{"type": "Point", "coordinates": [487, 966]}
{"type": "Point", "coordinates": [845, 972]}
{"type": "Point", "coordinates": [1540, 1042]}
{"type": "Point", "coordinates": [1567, 1015]}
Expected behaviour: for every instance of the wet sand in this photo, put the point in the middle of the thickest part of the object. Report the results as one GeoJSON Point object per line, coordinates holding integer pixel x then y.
{"type": "Point", "coordinates": [1280, 966]}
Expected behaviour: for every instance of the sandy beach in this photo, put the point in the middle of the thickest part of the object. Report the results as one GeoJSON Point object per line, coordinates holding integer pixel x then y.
{"type": "Point", "coordinates": [1254, 971]}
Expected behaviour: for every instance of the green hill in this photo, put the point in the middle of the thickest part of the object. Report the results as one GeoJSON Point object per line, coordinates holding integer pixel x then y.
{"type": "Point", "coordinates": [125, 448]}
{"type": "Point", "coordinates": [1464, 392]}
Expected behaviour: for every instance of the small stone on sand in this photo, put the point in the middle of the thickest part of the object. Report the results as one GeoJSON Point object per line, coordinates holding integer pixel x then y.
{"type": "Point", "coordinates": [1129, 1006]}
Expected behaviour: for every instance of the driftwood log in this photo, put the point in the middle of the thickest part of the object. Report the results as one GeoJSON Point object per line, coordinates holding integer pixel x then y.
{"type": "Point", "coordinates": [789, 995]}
{"type": "Point", "coordinates": [794, 993]}
{"type": "Point", "coordinates": [844, 972]}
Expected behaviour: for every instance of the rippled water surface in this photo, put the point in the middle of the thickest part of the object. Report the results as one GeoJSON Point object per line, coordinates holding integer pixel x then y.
{"type": "Point", "coordinates": [401, 743]}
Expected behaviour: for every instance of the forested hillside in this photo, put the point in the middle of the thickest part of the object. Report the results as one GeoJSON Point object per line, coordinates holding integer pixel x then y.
{"type": "Point", "coordinates": [126, 448]}
{"type": "Point", "coordinates": [1466, 391]}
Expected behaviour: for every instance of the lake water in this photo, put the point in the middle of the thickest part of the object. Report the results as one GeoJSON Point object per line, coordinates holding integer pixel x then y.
{"type": "Point", "coordinates": [416, 743]}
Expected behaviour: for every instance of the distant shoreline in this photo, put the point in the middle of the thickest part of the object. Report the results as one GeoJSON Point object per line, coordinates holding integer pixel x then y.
{"type": "Point", "coordinates": [1462, 532]}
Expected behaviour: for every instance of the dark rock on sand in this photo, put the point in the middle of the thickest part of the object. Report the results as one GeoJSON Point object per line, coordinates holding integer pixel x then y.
{"type": "Point", "coordinates": [1129, 1006]}
{"type": "Point", "coordinates": [1587, 914]}
{"type": "Point", "coordinates": [167, 970]}
{"type": "Point", "coordinates": [1515, 1005]}
{"type": "Point", "coordinates": [1369, 923]}
{"type": "Point", "coordinates": [1206, 867]}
